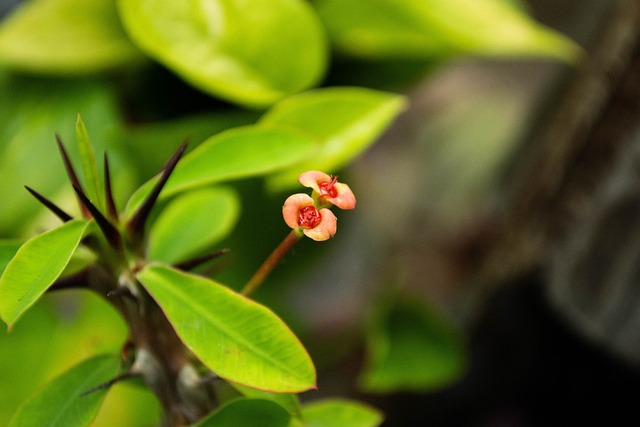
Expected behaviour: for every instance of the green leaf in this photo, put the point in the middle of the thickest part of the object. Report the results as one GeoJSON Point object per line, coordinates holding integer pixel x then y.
{"type": "Point", "coordinates": [60, 403]}
{"type": "Point", "coordinates": [339, 413]}
{"type": "Point", "coordinates": [385, 29]}
{"type": "Point", "coordinates": [345, 121]}
{"type": "Point", "coordinates": [153, 143]}
{"type": "Point", "coordinates": [239, 339]}
{"type": "Point", "coordinates": [236, 153]}
{"type": "Point", "coordinates": [89, 166]}
{"type": "Point", "coordinates": [290, 402]}
{"type": "Point", "coordinates": [247, 412]}
{"type": "Point", "coordinates": [252, 52]}
{"type": "Point", "coordinates": [65, 37]}
{"type": "Point", "coordinates": [412, 347]}
{"type": "Point", "coordinates": [193, 222]}
{"type": "Point", "coordinates": [37, 264]}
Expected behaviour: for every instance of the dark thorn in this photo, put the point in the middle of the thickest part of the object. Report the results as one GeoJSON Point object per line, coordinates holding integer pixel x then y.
{"type": "Point", "coordinates": [109, 383]}
{"type": "Point", "coordinates": [67, 163]}
{"type": "Point", "coordinates": [137, 222]}
{"type": "Point", "coordinates": [50, 205]}
{"type": "Point", "coordinates": [71, 173]}
{"type": "Point", "coordinates": [109, 231]}
{"type": "Point", "coordinates": [121, 292]}
{"type": "Point", "coordinates": [112, 211]}
{"type": "Point", "coordinates": [208, 378]}
{"type": "Point", "coordinates": [195, 262]}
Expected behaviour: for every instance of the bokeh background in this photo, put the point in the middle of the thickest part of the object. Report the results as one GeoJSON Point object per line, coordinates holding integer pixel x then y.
{"type": "Point", "coordinates": [489, 274]}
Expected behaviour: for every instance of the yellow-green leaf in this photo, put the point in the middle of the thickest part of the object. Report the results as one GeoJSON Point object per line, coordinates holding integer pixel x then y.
{"type": "Point", "coordinates": [193, 222]}
{"type": "Point", "coordinates": [237, 338]}
{"type": "Point", "coordinates": [383, 29]}
{"type": "Point", "coordinates": [345, 121]}
{"type": "Point", "coordinates": [65, 37]}
{"type": "Point", "coordinates": [251, 52]}
{"type": "Point", "coordinates": [236, 153]}
{"type": "Point", "coordinates": [89, 166]}
{"type": "Point", "coordinates": [35, 267]}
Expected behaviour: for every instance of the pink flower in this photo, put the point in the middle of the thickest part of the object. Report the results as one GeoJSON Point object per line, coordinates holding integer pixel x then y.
{"type": "Point", "coordinates": [299, 212]}
{"type": "Point", "coordinates": [328, 189]}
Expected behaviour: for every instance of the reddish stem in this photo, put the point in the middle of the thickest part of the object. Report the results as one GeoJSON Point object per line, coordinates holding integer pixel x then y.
{"type": "Point", "coordinates": [271, 262]}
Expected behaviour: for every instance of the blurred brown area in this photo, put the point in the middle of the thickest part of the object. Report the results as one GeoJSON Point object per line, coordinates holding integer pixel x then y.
{"type": "Point", "coordinates": [509, 194]}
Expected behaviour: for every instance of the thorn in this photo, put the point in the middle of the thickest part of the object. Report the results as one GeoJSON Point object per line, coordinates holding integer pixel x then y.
{"type": "Point", "coordinates": [208, 378]}
{"type": "Point", "coordinates": [122, 292]}
{"type": "Point", "coordinates": [71, 173]}
{"type": "Point", "coordinates": [195, 262]}
{"type": "Point", "coordinates": [50, 205]}
{"type": "Point", "coordinates": [112, 211]}
{"type": "Point", "coordinates": [109, 383]}
{"type": "Point", "coordinates": [109, 231]}
{"type": "Point", "coordinates": [137, 222]}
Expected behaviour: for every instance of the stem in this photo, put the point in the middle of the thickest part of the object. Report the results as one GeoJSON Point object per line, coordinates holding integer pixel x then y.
{"type": "Point", "coordinates": [271, 262]}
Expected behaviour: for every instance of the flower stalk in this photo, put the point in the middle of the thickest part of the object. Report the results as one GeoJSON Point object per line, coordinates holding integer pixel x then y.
{"type": "Point", "coordinates": [307, 216]}
{"type": "Point", "coordinates": [272, 261]}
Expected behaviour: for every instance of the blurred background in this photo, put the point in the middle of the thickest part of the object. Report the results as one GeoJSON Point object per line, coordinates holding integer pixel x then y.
{"type": "Point", "coordinates": [489, 274]}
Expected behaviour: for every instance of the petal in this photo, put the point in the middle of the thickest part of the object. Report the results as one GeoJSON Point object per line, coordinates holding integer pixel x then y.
{"type": "Point", "coordinates": [345, 198]}
{"type": "Point", "coordinates": [326, 229]}
{"type": "Point", "coordinates": [312, 178]}
{"type": "Point", "coordinates": [292, 206]}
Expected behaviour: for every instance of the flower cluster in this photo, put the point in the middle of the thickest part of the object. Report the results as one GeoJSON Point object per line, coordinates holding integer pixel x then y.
{"type": "Point", "coordinates": [312, 214]}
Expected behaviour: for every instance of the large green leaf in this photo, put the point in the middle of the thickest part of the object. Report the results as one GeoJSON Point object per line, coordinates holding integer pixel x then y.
{"type": "Point", "coordinates": [65, 37]}
{"type": "Point", "coordinates": [412, 347]}
{"type": "Point", "coordinates": [344, 120]}
{"type": "Point", "coordinates": [192, 222]}
{"type": "Point", "coordinates": [152, 143]}
{"type": "Point", "coordinates": [436, 28]}
{"type": "Point", "coordinates": [35, 267]}
{"type": "Point", "coordinates": [236, 153]}
{"type": "Point", "coordinates": [339, 413]}
{"type": "Point", "coordinates": [239, 339]}
{"type": "Point", "coordinates": [247, 412]}
{"type": "Point", "coordinates": [252, 52]}
{"type": "Point", "coordinates": [62, 403]}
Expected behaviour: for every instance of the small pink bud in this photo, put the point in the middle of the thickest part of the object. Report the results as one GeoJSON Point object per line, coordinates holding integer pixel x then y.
{"type": "Point", "coordinates": [299, 212]}
{"type": "Point", "coordinates": [329, 189]}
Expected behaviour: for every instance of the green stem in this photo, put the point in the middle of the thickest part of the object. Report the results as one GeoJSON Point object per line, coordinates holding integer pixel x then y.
{"type": "Point", "coordinates": [271, 262]}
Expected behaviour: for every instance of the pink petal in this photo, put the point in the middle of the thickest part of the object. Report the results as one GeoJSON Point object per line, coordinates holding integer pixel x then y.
{"type": "Point", "coordinates": [312, 178]}
{"type": "Point", "coordinates": [292, 206]}
{"type": "Point", "coordinates": [345, 198]}
{"type": "Point", "coordinates": [326, 229]}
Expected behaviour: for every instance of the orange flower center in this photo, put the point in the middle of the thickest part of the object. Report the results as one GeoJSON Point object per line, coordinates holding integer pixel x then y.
{"type": "Point", "coordinates": [309, 217]}
{"type": "Point", "coordinates": [327, 188]}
